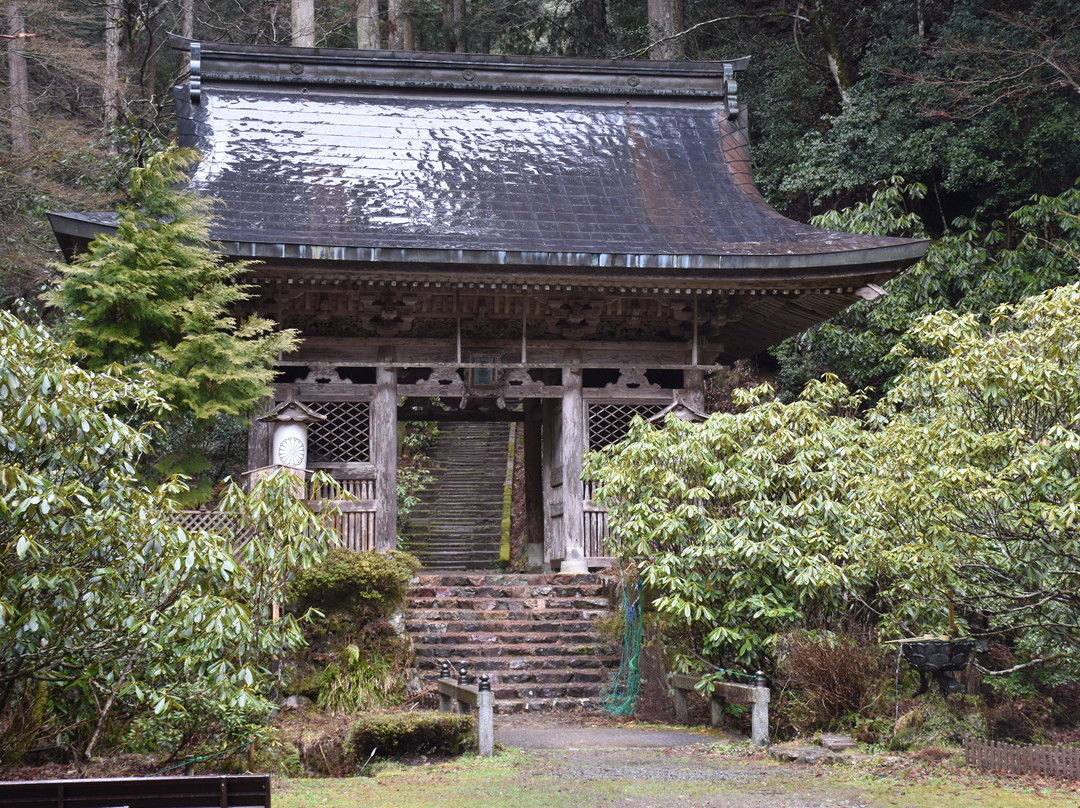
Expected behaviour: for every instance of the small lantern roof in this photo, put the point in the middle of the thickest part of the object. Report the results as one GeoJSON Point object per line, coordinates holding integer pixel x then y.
{"type": "Point", "coordinates": [291, 410]}
{"type": "Point", "coordinates": [682, 410]}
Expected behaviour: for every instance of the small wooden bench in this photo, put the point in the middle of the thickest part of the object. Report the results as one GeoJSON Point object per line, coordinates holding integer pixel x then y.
{"type": "Point", "coordinates": [454, 693]}
{"type": "Point", "coordinates": [756, 695]}
{"type": "Point", "coordinates": [213, 791]}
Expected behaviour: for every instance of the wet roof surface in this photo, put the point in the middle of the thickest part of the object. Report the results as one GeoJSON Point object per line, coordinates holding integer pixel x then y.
{"type": "Point", "coordinates": [429, 170]}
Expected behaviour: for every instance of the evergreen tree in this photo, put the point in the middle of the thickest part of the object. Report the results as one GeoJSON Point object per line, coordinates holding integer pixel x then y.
{"type": "Point", "coordinates": [157, 297]}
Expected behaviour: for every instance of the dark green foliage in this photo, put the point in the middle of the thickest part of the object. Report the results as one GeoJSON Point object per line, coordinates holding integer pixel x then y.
{"type": "Point", "coordinates": [158, 293]}
{"type": "Point", "coordinates": [368, 583]}
{"type": "Point", "coordinates": [402, 734]}
{"type": "Point", "coordinates": [972, 268]}
{"type": "Point", "coordinates": [355, 659]}
{"type": "Point", "coordinates": [157, 298]}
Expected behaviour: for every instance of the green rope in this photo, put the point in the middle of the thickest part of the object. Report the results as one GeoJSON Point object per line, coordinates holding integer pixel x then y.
{"type": "Point", "coordinates": [621, 697]}
{"type": "Point", "coordinates": [211, 756]}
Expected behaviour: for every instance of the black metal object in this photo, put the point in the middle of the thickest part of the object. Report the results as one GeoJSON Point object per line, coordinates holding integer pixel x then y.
{"type": "Point", "coordinates": [445, 671]}
{"type": "Point", "coordinates": [226, 791]}
{"type": "Point", "coordinates": [462, 675]}
{"type": "Point", "coordinates": [937, 658]}
{"type": "Point", "coordinates": [485, 683]}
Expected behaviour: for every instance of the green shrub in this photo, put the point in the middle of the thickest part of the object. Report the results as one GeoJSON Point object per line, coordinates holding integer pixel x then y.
{"type": "Point", "coordinates": [360, 681]}
{"type": "Point", "coordinates": [371, 583]}
{"type": "Point", "coordinates": [940, 723]}
{"type": "Point", "coordinates": [401, 734]}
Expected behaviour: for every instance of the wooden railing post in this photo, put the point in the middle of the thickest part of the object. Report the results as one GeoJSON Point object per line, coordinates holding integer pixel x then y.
{"type": "Point", "coordinates": [485, 717]}
{"type": "Point", "coordinates": [456, 692]}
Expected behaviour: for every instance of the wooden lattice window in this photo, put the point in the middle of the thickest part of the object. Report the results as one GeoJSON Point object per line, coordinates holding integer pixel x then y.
{"type": "Point", "coordinates": [609, 423]}
{"type": "Point", "coordinates": [214, 521]}
{"type": "Point", "coordinates": [345, 435]}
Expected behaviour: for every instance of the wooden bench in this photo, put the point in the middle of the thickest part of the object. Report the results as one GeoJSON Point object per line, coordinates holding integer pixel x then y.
{"type": "Point", "coordinates": [213, 791]}
{"type": "Point", "coordinates": [454, 693]}
{"type": "Point", "coordinates": [756, 695]}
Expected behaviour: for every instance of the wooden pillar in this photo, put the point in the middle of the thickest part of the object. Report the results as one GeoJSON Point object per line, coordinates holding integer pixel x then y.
{"type": "Point", "coordinates": [573, 447]}
{"type": "Point", "coordinates": [258, 444]}
{"type": "Point", "coordinates": [694, 382]}
{"type": "Point", "coordinates": [551, 476]}
{"type": "Point", "coordinates": [384, 443]}
{"type": "Point", "coordinates": [534, 484]}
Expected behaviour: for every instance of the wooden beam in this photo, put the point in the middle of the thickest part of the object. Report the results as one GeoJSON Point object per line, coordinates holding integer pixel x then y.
{"type": "Point", "coordinates": [573, 447]}
{"type": "Point", "coordinates": [384, 440]}
{"type": "Point", "coordinates": [534, 481]}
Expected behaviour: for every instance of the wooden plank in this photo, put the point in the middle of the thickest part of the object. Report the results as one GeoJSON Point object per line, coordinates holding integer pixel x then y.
{"type": "Point", "coordinates": [229, 791]}
{"type": "Point", "coordinates": [553, 546]}
{"type": "Point", "coordinates": [347, 470]}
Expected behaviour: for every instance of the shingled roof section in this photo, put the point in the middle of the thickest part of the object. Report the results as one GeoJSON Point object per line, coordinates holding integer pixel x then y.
{"type": "Point", "coordinates": [602, 169]}
{"type": "Point", "coordinates": [625, 163]}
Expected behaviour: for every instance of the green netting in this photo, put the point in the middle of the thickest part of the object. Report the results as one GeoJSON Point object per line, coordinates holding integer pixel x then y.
{"type": "Point", "coordinates": [621, 697]}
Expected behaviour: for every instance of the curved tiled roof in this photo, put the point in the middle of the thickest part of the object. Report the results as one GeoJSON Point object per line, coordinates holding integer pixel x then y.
{"type": "Point", "coordinates": [495, 169]}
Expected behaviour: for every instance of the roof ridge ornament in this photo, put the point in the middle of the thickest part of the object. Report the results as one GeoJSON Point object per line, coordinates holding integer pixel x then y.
{"type": "Point", "coordinates": [195, 81]}
{"type": "Point", "coordinates": [731, 90]}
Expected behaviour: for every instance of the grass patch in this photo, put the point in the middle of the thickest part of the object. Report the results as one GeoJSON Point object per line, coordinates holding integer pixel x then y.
{"type": "Point", "coordinates": [673, 778]}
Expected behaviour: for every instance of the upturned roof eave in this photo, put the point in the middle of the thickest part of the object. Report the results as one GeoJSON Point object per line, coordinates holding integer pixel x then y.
{"type": "Point", "coordinates": [716, 269]}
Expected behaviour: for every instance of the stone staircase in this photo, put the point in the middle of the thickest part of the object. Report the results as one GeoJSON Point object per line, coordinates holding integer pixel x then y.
{"type": "Point", "coordinates": [535, 636]}
{"type": "Point", "coordinates": [458, 523]}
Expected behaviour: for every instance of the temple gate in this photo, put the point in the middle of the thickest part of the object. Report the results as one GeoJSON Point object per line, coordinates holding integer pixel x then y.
{"type": "Point", "coordinates": [558, 242]}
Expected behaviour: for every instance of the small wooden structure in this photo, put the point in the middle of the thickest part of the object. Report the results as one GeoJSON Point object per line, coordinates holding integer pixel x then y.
{"type": "Point", "coordinates": [755, 695]}
{"type": "Point", "coordinates": [1012, 758]}
{"type": "Point", "coordinates": [210, 791]}
{"type": "Point", "coordinates": [565, 243]}
{"type": "Point", "coordinates": [457, 696]}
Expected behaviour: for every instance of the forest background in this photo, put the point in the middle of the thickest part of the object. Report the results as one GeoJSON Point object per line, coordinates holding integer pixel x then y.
{"type": "Point", "coordinates": [963, 116]}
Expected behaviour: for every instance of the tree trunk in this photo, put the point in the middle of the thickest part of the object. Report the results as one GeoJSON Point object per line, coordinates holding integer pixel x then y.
{"type": "Point", "coordinates": [821, 22]}
{"type": "Point", "coordinates": [595, 24]}
{"type": "Point", "coordinates": [153, 47]}
{"type": "Point", "coordinates": [114, 62]}
{"type": "Point", "coordinates": [187, 18]}
{"type": "Point", "coordinates": [303, 23]}
{"type": "Point", "coordinates": [665, 22]}
{"type": "Point", "coordinates": [18, 80]}
{"type": "Point", "coordinates": [459, 26]}
{"type": "Point", "coordinates": [395, 25]}
{"type": "Point", "coordinates": [367, 24]}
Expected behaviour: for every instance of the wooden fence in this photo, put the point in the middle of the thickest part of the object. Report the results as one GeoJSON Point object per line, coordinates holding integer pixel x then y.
{"type": "Point", "coordinates": [1052, 761]}
{"type": "Point", "coordinates": [354, 499]}
{"type": "Point", "coordinates": [595, 527]}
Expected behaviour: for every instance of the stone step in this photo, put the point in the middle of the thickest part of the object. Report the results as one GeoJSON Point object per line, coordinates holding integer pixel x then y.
{"type": "Point", "coordinates": [509, 590]}
{"type": "Point", "coordinates": [535, 636]}
{"type": "Point", "coordinates": [516, 657]}
{"type": "Point", "coordinates": [504, 639]}
{"type": "Point", "coordinates": [488, 604]}
{"type": "Point", "coordinates": [506, 579]}
{"type": "Point", "coordinates": [519, 706]}
{"type": "Point", "coordinates": [518, 619]}
{"type": "Point", "coordinates": [437, 625]}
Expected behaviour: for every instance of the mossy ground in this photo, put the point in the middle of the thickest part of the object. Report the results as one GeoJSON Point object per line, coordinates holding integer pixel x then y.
{"type": "Point", "coordinates": [673, 778]}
